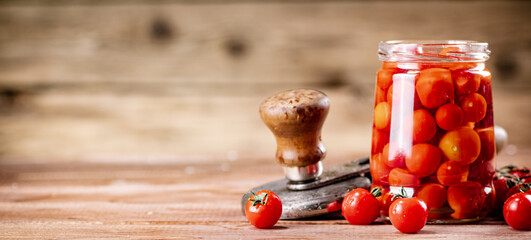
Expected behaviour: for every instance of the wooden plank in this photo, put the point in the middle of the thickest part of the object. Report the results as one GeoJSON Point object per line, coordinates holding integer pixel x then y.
{"type": "Point", "coordinates": [167, 200]}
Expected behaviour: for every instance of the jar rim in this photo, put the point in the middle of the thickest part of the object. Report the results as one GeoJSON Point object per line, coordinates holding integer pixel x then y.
{"type": "Point", "coordinates": [433, 51]}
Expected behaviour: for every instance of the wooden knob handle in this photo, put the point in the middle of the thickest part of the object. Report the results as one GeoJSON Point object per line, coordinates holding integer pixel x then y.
{"type": "Point", "coordinates": [295, 117]}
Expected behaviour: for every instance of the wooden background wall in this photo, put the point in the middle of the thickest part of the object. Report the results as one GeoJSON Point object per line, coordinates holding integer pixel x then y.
{"type": "Point", "coordinates": [168, 80]}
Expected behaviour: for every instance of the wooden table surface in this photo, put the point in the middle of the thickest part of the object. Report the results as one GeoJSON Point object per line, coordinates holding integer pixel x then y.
{"type": "Point", "coordinates": [174, 200]}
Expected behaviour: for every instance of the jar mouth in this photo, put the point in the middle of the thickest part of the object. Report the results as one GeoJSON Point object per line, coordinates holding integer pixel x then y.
{"type": "Point", "coordinates": [433, 51]}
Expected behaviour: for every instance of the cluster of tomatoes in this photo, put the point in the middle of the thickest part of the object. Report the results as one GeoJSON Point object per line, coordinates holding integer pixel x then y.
{"type": "Point", "coordinates": [512, 186]}
{"type": "Point", "coordinates": [408, 215]}
{"type": "Point", "coordinates": [433, 134]}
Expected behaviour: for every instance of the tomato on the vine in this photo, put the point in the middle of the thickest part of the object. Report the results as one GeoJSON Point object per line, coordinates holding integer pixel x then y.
{"type": "Point", "coordinates": [517, 211]}
{"type": "Point", "coordinates": [263, 209]}
{"type": "Point", "coordinates": [360, 206]}
{"type": "Point", "coordinates": [408, 215]}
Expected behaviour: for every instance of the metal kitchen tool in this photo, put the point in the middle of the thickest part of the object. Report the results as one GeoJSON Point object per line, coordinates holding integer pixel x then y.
{"type": "Point", "coordinates": [310, 199]}
{"type": "Point", "coordinates": [295, 117]}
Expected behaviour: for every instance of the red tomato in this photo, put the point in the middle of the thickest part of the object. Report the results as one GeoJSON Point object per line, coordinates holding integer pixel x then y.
{"type": "Point", "coordinates": [403, 178]}
{"type": "Point", "coordinates": [435, 87]}
{"type": "Point", "coordinates": [500, 188]}
{"type": "Point", "coordinates": [379, 139]}
{"type": "Point", "coordinates": [390, 94]}
{"type": "Point", "coordinates": [461, 145]}
{"type": "Point", "coordinates": [450, 173]}
{"type": "Point", "coordinates": [474, 107]}
{"type": "Point", "coordinates": [379, 170]}
{"type": "Point", "coordinates": [393, 156]}
{"type": "Point", "coordinates": [263, 209]}
{"type": "Point", "coordinates": [424, 127]}
{"type": "Point", "coordinates": [465, 81]}
{"type": "Point", "coordinates": [385, 200]}
{"type": "Point", "coordinates": [408, 215]}
{"type": "Point", "coordinates": [517, 211]}
{"type": "Point", "coordinates": [380, 95]}
{"type": "Point", "coordinates": [485, 89]}
{"type": "Point", "coordinates": [424, 159]}
{"type": "Point", "coordinates": [382, 116]}
{"type": "Point", "coordinates": [466, 199]}
{"type": "Point", "coordinates": [488, 143]}
{"type": "Point", "coordinates": [360, 207]}
{"type": "Point", "coordinates": [385, 78]}
{"type": "Point", "coordinates": [433, 194]}
{"type": "Point", "coordinates": [518, 188]}
{"type": "Point", "coordinates": [482, 172]}
{"type": "Point", "coordinates": [449, 116]}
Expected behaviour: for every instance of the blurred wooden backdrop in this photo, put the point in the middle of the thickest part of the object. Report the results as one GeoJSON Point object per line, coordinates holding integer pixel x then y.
{"type": "Point", "coordinates": [169, 80]}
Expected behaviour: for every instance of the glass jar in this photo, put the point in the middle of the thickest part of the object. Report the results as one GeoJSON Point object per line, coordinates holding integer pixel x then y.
{"type": "Point", "coordinates": [433, 131]}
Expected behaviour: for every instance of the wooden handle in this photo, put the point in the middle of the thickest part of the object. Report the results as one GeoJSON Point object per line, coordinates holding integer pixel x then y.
{"type": "Point", "coordinates": [295, 117]}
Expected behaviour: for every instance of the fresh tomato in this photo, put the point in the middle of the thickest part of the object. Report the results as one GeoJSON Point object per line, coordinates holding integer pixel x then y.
{"type": "Point", "coordinates": [424, 159]}
{"type": "Point", "coordinates": [382, 116]}
{"type": "Point", "coordinates": [403, 178]}
{"type": "Point", "coordinates": [263, 209]}
{"type": "Point", "coordinates": [466, 199]}
{"type": "Point", "coordinates": [360, 207]}
{"type": "Point", "coordinates": [433, 194]}
{"type": "Point", "coordinates": [385, 199]}
{"type": "Point", "coordinates": [393, 156]}
{"type": "Point", "coordinates": [517, 211]}
{"type": "Point", "coordinates": [500, 188]}
{"type": "Point", "coordinates": [450, 173]}
{"type": "Point", "coordinates": [461, 145]}
{"type": "Point", "coordinates": [449, 116]}
{"type": "Point", "coordinates": [424, 126]}
{"type": "Point", "coordinates": [435, 87]}
{"type": "Point", "coordinates": [408, 215]}
{"type": "Point", "coordinates": [379, 170]}
{"type": "Point", "coordinates": [466, 82]}
{"type": "Point", "coordinates": [474, 107]}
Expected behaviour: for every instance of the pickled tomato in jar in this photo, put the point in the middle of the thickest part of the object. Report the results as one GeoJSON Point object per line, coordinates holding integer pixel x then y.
{"type": "Point", "coordinates": [433, 129]}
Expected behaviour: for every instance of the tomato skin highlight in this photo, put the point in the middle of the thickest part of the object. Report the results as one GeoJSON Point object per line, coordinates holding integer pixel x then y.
{"type": "Point", "coordinates": [264, 215]}
{"type": "Point", "coordinates": [359, 207]}
{"type": "Point", "coordinates": [408, 215]}
{"type": "Point", "coordinates": [517, 211]}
